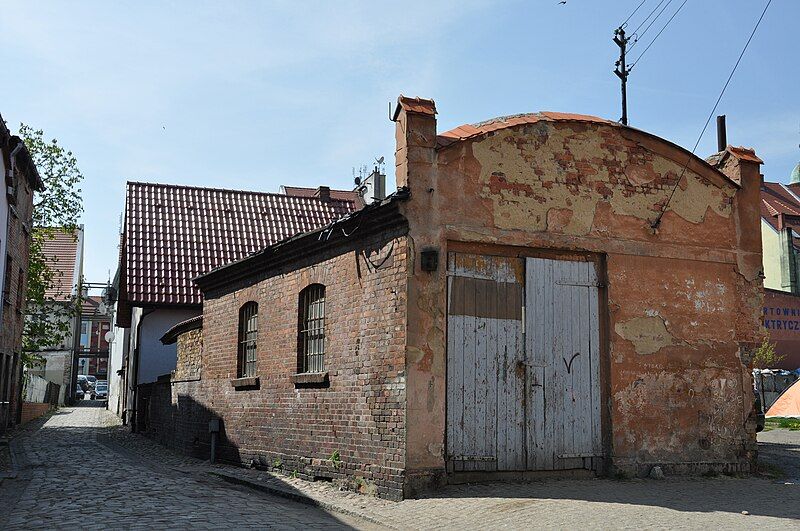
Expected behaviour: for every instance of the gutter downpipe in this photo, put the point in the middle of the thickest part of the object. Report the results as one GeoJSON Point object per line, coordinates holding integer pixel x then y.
{"type": "Point", "coordinates": [134, 417]}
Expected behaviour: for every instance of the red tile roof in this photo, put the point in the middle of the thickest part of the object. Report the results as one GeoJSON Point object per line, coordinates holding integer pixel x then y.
{"type": "Point", "coordinates": [91, 307]}
{"type": "Point", "coordinates": [744, 153]}
{"type": "Point", "coordinates": [465, 132]}
{"type": "Point", "coordinates": [415, 105]}
{"type": "Point", "coordinates": [175, 233]}
{"type": "Point", "coordinates": [61, 254]}
{"type": "Point", "coordinates": [341, 195]}
{"type": "Point", "coordinates": [777, 199]}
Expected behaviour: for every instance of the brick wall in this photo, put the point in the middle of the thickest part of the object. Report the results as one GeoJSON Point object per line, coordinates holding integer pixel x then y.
{"type": "Point", "coordinates": [18, 243]}
{"type": "Point", "coordinates": [358, 416]}
{"type": "Point", "coordinates": [190, 350]}
{"type": "Point", "coordinates": [33, 410]}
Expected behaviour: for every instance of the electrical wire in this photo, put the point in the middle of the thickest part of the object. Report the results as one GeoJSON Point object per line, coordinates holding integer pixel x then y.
{"type": "Point", "coordinates": [642, 23]}
{"type": "Point", "coordinates": [638, 37]}
{"type": "Point", "coordinates": [658, 34]}
{"type": "Point", "coordinates": [657, 221]}
{"type": "Point", "coordinates": [634, 12]}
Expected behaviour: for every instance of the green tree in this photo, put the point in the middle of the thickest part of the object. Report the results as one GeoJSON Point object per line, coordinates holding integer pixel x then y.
{"type": "Point", "coordinates": [56, 209]}
{"type": "Point", "coordinates": [765, 356]}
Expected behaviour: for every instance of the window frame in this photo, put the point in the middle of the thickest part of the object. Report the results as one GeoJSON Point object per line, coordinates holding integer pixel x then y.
{"type": "Point", "coordinates": [247, 344]}
{"type": "Point", "coordinates": [7, 280]}
{"type": "Point", "coordinates": [311, 329]}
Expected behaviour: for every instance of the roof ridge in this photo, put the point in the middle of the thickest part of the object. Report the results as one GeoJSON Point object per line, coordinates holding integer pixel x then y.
{"type": "Point", "coordinates": [234, 190]}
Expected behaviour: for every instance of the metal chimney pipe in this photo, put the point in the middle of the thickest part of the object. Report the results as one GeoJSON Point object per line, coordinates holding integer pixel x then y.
{"type": "Point", "coordinates": [722, 134]}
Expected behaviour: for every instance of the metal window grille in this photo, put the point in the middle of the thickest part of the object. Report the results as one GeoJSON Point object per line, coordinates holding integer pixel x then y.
{"type": "Point", "coordinates": [248, 332]}
{"type": "Point", "coordinates": [312, 328]}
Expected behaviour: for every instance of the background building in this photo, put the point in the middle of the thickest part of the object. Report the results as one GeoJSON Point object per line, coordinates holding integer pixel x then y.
{"type": "Point", "coordinates": [21, 180]}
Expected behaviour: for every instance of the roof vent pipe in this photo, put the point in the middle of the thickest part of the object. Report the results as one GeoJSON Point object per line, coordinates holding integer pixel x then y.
{"type": "Point", "coordinates": [722, 134]}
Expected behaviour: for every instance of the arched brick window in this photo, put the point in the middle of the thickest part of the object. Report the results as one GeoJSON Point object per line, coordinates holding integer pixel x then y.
{"type": "Point", "coordinates": [248, 333]}
{"type": "Point", "coordinates": [311, 337]}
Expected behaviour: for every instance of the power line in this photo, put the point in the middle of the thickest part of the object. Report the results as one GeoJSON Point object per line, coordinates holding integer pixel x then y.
{"type": "Point", "coordinates": [634, 12]}
{"type": "Point", "coordinates": [657, 221]}
{"type": "Point", "coordinates": [651, 24]}
{"type": "Point", "coordinates": [659, 33]}
{"type": "Point", "coordinates": [642, 23]}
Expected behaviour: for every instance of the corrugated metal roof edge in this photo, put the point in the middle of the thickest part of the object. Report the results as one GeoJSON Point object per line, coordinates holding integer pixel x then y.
{"type": "Point", "coordinates": [239, 269]}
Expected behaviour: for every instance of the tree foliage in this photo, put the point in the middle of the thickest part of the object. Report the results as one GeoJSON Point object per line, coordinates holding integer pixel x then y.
{"type": "Point", "coordinates": [765, 356]}
{"type": "Point", "coordinates": [56, 209]}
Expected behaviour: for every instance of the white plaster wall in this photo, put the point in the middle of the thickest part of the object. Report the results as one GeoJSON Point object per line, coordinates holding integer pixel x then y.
{"type": "Point", "coordinates": [117, 350]}
{"type": "Point", "coordinates": [158, 359]}
{"type": "Point", "coordinates": [771, 257]}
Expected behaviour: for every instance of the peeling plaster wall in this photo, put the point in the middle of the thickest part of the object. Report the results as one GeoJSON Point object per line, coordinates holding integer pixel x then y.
{"type": "Point", "coordinates": [684, 300]}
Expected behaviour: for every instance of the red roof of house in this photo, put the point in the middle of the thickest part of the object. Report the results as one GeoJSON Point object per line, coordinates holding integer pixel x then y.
{"type": "Point", "coordinates": [91, 307]}
{"type": "Point", "coordinates": [777, 199]}
{"type": "Point", "coordinates": [175, 233]}
{"type": "Point", "coordinates": [341, 195]}
{"type": "Point", "coordinates": [61, 253]}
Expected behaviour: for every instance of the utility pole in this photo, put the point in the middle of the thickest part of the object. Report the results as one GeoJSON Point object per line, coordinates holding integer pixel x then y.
{"type": "Point", "coordinates": [622, 70]}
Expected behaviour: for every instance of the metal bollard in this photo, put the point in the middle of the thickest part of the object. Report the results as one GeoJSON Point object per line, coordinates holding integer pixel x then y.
{"type": "Point", "coordinates": [213, 429]}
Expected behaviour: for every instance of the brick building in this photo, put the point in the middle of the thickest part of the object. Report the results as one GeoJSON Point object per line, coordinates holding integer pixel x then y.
{"type": "Point", "coordinates": [172, 234]}
{"type": "Point", "coordinates": [545, 292]}
{"type": "Point", "coordinates": [16, 207]}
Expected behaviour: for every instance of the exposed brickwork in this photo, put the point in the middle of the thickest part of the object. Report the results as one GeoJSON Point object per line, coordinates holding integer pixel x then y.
{"type": "Point", "coordinates": [359, 416]}
{"type": "Point", "coordinates": [33, 410]}
{"type": "Point", "coordinates": [190, 350]}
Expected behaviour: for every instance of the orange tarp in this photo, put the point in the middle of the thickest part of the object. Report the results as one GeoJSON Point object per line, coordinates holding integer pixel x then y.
{"type": "Point", "coordinates": [788, 404]}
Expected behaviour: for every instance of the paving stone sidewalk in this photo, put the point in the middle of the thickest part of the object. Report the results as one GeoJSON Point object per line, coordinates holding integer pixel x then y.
{"type": "Point", "coordinates": [687, 503]}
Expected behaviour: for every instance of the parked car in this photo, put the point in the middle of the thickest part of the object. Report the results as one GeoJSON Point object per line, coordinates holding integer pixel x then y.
{"type": "Point", "coordinates": [79, 394]}
{"type": "Point", "coordinates": [83, 382]}
{"type": "Point", "coordinates": [92, 380]}
{"type": "Point", "coordinates": [100, 390]}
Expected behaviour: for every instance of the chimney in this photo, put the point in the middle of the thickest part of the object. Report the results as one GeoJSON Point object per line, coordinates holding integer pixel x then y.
{"type": "Point", "coordinates": [743, 166]}
{"type": "Point", "coordinates": [324, 193]}
{"type": "Point", "coordinates": [722, 134]}
{"type": "Point", "coordinates": [415, 135]}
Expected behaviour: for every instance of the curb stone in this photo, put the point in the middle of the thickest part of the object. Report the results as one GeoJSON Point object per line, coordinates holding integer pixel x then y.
{"type": "Point", "coordinates": [298, 497]}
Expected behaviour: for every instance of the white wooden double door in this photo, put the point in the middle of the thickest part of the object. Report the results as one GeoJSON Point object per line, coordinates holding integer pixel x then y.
{"type": "Point", "coordinates": [523, 367]}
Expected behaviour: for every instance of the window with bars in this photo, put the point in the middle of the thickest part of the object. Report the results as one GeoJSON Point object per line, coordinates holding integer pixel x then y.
{"type": "Point", "coordinates": [248, 332]}
{"type": "Point", "coordinates": [311, 340]}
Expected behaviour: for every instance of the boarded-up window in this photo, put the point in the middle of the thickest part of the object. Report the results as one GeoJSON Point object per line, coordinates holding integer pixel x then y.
{"type": "Point", "coordinates": [248, 333]}
{"type": "Point", "coordinates": [311, 339]}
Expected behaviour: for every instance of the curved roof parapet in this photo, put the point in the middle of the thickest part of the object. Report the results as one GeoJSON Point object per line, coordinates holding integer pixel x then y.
{"type": "Point", "coordinates": [653, 142]}
{"type": "Point", "coordinates": [171, 335]}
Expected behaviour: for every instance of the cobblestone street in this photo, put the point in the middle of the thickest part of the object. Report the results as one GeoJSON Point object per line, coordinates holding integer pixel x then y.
{"type": "Point", "coordinates": [81, 468]}
{"type": "Point", "coordinates": [69, 479]}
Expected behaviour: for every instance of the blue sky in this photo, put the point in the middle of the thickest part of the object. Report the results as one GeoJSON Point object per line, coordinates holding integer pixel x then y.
{"type": "Point", "coordinates": [253, 95]}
